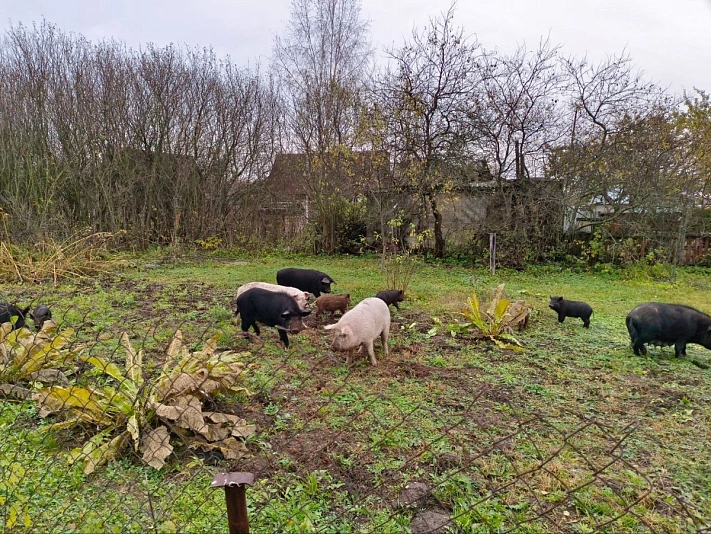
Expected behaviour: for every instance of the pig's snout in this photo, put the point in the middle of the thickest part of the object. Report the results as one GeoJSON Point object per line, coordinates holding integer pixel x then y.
{"type": "Point", "coordinates": [293, 327]}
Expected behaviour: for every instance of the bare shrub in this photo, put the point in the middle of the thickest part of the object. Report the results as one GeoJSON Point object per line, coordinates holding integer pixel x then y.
{"type": "Point", "coordinates": [76, 257]}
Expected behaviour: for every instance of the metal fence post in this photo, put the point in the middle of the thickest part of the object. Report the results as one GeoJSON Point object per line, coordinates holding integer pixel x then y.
{"type": "Point", "coordinates": [492, 254]}
{"type": "Point", "coordinates": [234, 484]}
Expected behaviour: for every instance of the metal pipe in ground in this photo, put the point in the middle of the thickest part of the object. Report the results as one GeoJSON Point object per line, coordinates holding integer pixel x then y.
{"type": "Point", "coordinates": [236, 499]}
{"type": "Point", "coordinates": [492, 254]}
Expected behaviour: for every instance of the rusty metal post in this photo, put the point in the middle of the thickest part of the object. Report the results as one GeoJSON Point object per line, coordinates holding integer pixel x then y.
{"type": "Point", "coordinates": [492, 254]}
{"type": "Point", "coordinates": [234, 484]}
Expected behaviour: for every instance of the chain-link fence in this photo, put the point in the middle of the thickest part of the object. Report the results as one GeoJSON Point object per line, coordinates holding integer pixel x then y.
{"type": "Point", "coordinates": [120, 433]}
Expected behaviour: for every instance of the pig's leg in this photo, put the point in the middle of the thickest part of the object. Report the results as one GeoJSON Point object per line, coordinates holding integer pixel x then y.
{"type": "Point", "coordinates": [371, 352]}
{"type": "Point", "coordinates": [384, 340]}
{"type": "Point", "coordinates": [284, 338]}
{"type": "Point", "coordinates": [679, 348]}
{"type": "Point", "coordinates": [246, 325]}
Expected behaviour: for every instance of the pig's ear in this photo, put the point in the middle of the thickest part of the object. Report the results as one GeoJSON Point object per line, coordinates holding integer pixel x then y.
{"type": "Point", "coordinates": [346, 331]}
{"type": "Point", "coordinates": [327, 280]}
{"type": "Point", "coordinates": [348, 296]}
{"type": "Point", "coordinates": [307, 295]}
{"type": "Point", "coordinates": [330, 326]}
{"type": "Point", "coordinates": [285, 313]}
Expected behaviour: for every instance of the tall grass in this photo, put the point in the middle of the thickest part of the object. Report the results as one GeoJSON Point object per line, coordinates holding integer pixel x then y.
{"type": "Point", "coordinates": [76, 257]}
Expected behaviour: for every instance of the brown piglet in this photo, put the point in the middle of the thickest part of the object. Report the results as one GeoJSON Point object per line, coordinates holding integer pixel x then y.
{"type": "Point", "coordinates": [332, 303]}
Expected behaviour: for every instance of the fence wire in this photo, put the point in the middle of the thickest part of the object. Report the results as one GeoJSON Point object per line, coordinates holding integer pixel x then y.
{"type": "Point", "coordinates": [114, 431]}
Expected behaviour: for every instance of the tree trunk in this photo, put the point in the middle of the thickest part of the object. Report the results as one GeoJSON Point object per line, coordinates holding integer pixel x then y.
{"type": "Point", "coordinates": [678, 257]}
{"type": "Point", "coordinates": [438, 234]}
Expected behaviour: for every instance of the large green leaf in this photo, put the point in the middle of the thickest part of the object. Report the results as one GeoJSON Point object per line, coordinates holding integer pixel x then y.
{"type": "Point", "coordinates": [134, 361]}
{"type": "Point", "coordinates": [509, 337]}
{"type": "Point", "coordinates": [504, 345]}
{"type": "Point", "coordinates": [23, 354]}
{"type": "Point", "coordinates": [500, 312]}
{"type": "Point", "coordinates": [113, 371]}
{"type": "Point", "coordinates": [117, 399]}
{"type": "Point", "coordinates": [43, 343]}
{"type": "Point", "coordinates": [473, 314]}
{"type": "Point", "coordinates": [43, 354]}
{"type": "Point", "coordinates": [131, 407]}
{"type": "Point", "coordinates": [82, 402]}
{"type": "Point", "coordinates": [227, 362]}
{"type": "Point", "coordinates": [498, 322]}
{"type": "Point", "coordinates": [97, 451]}
{"type": "Point", "coordinates": [62, 425]}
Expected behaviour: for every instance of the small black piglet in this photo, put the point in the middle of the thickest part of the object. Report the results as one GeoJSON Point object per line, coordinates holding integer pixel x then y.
{"type": "Point", "coordinates": [391, 296]}
{"type": "Point", "coordinates": [571, 308]}
{"type": "Point", "coordinates": [41, 314]}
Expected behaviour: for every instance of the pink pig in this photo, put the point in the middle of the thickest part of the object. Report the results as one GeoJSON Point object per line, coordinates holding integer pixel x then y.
{"type": "Point", "coordinates": [361, 326]}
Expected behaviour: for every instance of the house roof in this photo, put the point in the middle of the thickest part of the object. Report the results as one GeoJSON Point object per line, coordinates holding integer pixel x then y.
{"type": "Point", "coordinates": [288, 175]}
{"type": "Point", "coordinates": [296, 175]}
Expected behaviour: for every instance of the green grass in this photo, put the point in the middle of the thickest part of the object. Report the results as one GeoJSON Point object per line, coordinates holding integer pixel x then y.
{"type": "Point", "coordinates": [574, 433]}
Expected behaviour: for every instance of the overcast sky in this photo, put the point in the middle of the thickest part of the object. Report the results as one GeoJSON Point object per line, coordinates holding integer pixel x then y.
{"type": "Point", "coordinates": [670, 40]}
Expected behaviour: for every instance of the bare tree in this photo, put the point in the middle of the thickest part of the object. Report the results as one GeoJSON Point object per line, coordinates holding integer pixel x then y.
{"type": "Point", "coordinates": [518, 109]}
{"type": "Point", "coordinates": [692, 180]}
{"type": "Point", "coordinates": [622, 157]}
{"type": "Point", "coordinates": [158, 143]}
{"type": "Point", "coordinates": [31, 173]}
{"type": "Point", "coordinates": [321, 64]}
{"type": "Point", "coordinates": [518, 115]}
{"type": "Point", "coordinates": [425, 93]}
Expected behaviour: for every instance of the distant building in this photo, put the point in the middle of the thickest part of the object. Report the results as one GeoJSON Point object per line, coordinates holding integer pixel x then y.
{"type": "Point", "coordinates": [296, 183]}
{"type": "Point", "coordinates": [474, 204]}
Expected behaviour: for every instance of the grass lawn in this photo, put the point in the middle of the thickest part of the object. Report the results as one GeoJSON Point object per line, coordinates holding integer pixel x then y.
{"type": "Point", "coordinates": [574, 434]}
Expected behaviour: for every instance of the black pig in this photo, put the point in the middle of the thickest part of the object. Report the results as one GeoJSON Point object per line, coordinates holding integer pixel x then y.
{"type": "Point", "coordinates": [8, 311]}
{"type": "Point", "coordinates": [668, 324]}
{"type": "Point", "coordinates": [391, 296]}
{"type": "Point", "coordinates": [271, 309]}
{"type": "Point", "coordinates": [571, 308]}
{"type": "Point", "coordinates": [315, 282]}
{"type": "Point", "coordinates": [40, 314]}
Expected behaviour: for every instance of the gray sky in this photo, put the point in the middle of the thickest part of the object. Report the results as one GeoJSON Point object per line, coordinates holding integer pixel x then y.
{"type": "Point", "coordinates": [670, 40]}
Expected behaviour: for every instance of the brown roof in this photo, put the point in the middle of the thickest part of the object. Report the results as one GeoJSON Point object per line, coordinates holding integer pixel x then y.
{"type": "Point", "coordinates": [294, 174]}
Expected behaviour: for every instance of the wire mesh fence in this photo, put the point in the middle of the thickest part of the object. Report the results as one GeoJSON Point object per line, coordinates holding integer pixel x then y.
{"type": "Point", "coordinates": [107, 430]}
